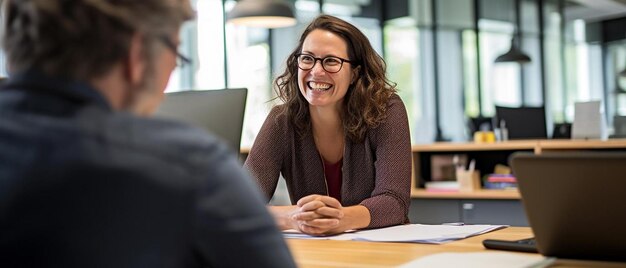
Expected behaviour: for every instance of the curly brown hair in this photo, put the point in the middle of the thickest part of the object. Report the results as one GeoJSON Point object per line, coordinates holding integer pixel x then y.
{"type": "Point", "coordinates": [82, 39]}
{"type": "Point", "coordinates": [365, 102]}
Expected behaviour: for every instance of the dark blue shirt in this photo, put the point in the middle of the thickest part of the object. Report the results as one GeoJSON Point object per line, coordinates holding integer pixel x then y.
{"type": "Point", "coordinates": [82, 185]}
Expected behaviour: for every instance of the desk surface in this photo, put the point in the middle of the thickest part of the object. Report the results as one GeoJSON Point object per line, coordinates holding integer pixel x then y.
{"type": "Point", "coordinates": [331, 253]}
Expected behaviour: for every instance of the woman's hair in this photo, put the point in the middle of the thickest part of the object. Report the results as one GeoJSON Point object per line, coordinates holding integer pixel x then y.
{"type": "Point", "coordinates": [83, 39]}
{"type": "Point", "coordinates": [365, 103]}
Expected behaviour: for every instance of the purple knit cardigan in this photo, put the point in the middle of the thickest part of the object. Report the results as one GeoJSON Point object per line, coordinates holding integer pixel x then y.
{"type": "Point", "coordinates": [376, 172]}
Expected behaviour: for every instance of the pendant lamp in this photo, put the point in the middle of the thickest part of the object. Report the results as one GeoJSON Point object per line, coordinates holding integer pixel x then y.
{"type": "Point", "coordinates": [515, 54]}
{"type": "Point", "coordinates": [622, 73]}
{"type": "Point", "coordinates": [262, 13]}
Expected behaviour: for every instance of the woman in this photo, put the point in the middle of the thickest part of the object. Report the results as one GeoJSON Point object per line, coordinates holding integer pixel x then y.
{"type": "Point", "coordinates": [341, 138]}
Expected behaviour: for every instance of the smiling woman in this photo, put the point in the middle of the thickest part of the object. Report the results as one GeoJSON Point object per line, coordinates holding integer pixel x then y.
{"type": "Point", "coordinates": [340, 138]}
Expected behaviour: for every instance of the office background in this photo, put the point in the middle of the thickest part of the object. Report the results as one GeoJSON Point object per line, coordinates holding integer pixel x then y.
{"type": "Point", "coordinates": [440, 53]}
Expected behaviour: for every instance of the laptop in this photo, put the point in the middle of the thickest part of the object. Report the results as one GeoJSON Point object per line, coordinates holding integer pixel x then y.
{"type": "Point", "coordinates": [575, 203]}
{"type": "Point", "coordinates": [218, 111]}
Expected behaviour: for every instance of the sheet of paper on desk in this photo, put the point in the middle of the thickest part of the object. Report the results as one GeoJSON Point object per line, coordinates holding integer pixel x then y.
{"type": "Point", "coordinates": [416, 233]}
{"type": "Point", "coordinates": [480, 260]}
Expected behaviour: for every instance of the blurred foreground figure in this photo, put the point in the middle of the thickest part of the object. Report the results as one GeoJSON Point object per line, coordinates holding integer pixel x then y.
{"type": "Point", "coordinates": [87, 179]}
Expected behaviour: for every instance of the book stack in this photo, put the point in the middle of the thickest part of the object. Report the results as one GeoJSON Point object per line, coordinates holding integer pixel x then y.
{"type": "Point", "coordinates": [500, 181]}
{"type": "Point", "coordinates": [442, 186]}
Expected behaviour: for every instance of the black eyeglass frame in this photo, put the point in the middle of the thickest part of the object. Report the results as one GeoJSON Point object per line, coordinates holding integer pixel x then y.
{"type": "Point", "coordinates": [184, 60]}
{"type": "Point", "coordinates": [321, 60]}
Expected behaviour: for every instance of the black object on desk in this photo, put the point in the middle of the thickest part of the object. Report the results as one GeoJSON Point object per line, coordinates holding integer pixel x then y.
{"type": "Point", "coordinates": [524, 245]}
{"type": "Point", "coordinates": [562, 131]}
{"type": "Point", "coordinates": [523, 122]}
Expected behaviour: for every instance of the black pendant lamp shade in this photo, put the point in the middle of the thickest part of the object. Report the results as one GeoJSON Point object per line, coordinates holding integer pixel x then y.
{"type": "Point", "coordinates": [262, 13]}
{"type": "Point", "coordinates": [622, 73]}
{"type": "Point", "coordinates": [514, 55]}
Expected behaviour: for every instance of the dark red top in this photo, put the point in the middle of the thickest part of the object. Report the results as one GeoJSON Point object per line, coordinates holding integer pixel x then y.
{"type": "Point", "coordinates": [333, 178]}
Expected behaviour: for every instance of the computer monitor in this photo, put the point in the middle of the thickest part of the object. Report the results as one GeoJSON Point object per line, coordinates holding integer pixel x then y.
{"type": "Point", "coordinates": [523, 122]}
{"type": "Point", "coordinates": [218, 111]}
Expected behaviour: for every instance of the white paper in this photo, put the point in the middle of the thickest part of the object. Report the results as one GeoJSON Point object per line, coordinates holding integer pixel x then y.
{"type": "Point", "coordinates": [588, 121]}
{"type": "Point", "coordinates": [416, 233]}
{"type": "Point", "coordinates": [480, 260]}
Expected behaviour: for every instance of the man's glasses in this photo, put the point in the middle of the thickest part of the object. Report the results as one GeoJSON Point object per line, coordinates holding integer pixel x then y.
{"type": "Point", "coordinates": [181, 60]}
{"type": "Point", "coordinates": [330, 64]}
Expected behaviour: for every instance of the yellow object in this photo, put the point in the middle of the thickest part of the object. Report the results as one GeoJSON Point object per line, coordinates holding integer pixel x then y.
{"type": "Point", "coordinates": [502, 169]}
{"type": "Point", "coordinates": [484, 137]}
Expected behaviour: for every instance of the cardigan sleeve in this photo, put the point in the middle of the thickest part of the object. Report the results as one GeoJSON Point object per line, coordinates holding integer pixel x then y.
{"type": "Point", "coordinates": [264, 161]}
{"type": "Point", "coordinates": [390, 200]}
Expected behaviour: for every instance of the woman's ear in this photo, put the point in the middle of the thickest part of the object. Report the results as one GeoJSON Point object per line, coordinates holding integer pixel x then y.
{"type": "Point", "coordinates": [135, 62]}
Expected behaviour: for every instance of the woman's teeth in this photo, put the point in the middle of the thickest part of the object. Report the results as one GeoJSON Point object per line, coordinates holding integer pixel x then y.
{"type": "Point", "coordinates": [319, 86]}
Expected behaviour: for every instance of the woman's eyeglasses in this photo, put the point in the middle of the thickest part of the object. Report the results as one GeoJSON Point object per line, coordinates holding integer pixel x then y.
{"type": "Point", "coordinates": [330, 64]}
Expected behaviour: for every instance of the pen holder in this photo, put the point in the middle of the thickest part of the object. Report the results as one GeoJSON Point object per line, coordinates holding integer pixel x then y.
{"type": "Point", "coordinates": [468, 180]}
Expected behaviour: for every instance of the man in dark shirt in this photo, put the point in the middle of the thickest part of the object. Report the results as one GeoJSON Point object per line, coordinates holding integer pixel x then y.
{"type": "Point", "coordinates": [87, 179]}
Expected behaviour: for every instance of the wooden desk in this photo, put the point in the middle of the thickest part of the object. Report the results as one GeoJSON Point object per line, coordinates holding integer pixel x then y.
{"type": "Point", "coordinates": [331, 253]}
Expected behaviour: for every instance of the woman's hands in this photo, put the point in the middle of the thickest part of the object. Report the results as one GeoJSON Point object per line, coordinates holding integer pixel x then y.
{"type": "Point", "coordinates": [321, 215]}
{"type": "Point", "coordinates": [317, 215]}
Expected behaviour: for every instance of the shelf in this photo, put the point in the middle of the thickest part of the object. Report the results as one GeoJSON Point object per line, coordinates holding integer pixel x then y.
{"type": "Point", "coordinates": [582, 144]}
{"type": "Point", "coordinates": [469, 146]}
{"type": "Point", "coordinates": [479, 194]}
{"type": "Point", "coordinates": [536, 145]}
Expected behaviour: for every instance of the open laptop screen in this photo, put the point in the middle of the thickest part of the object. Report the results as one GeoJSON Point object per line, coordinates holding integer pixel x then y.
{"type": "Point", "coordinates": [218, 111]}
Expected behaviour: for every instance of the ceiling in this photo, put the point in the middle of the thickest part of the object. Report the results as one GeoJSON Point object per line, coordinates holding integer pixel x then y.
{"type": "Point", "coordinates": [588, 10]}
{"type": "Point", "coordinates": [595, 10]}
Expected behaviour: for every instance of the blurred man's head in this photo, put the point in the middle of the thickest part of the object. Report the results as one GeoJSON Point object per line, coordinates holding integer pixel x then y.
{"type": "Point", "coordinates": [112, 44]}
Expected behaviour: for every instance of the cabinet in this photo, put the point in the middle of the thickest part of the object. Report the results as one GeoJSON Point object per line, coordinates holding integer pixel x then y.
{"type": "Point", "coordinates": [478, 207]}
{"type": "Point", "coordinates": [469, 211]}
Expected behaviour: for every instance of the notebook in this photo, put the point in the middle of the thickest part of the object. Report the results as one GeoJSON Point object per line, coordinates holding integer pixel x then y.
{"type": "Point", "coordinates": [575, 202]}
{"type": "Point", "coordinates": [218, 111]}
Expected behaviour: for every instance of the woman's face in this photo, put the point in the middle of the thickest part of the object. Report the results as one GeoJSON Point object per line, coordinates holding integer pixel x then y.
{"type": "Point", "coordinates": [318, 86]}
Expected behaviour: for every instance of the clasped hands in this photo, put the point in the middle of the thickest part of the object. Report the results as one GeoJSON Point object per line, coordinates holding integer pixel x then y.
{"type": "Point", "coordinates": [317, 215]}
